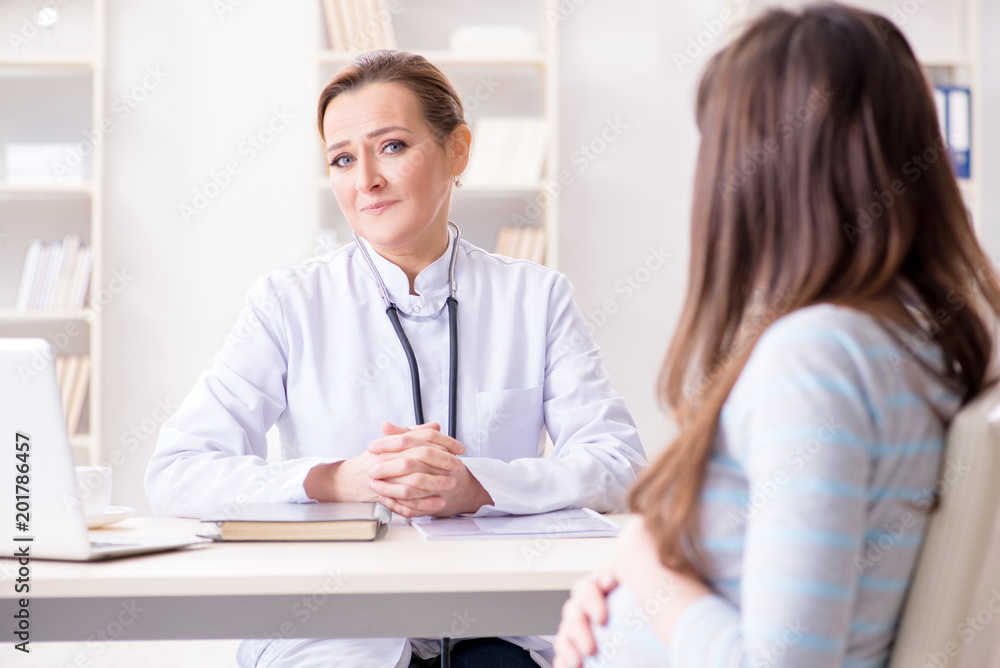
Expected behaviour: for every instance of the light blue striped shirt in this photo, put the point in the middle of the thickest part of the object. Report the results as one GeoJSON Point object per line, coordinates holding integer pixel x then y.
{"type": "Point", "coordinates": [814, 503]}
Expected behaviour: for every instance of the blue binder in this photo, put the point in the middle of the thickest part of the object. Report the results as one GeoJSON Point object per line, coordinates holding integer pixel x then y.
{"type": "Point", "coordinates": [954, 104]}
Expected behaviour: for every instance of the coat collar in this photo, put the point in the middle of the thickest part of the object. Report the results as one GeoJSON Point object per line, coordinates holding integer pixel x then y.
{"type": "Point", "coordinates": [431, 284]}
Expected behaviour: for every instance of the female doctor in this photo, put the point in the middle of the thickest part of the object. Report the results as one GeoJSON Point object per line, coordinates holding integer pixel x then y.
{"type": "Point", "coordinates": [409, 367]}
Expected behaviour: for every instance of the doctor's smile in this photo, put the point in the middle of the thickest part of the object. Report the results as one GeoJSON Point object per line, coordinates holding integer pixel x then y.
{"type": "Point", "coordinates": [380, 207]}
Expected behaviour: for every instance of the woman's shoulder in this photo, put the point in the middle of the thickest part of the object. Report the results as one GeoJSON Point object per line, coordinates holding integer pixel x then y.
{"type": "Point", "coordinates": [830, 334]}
{"type": "Point", "coordinates": [837, 325]}
{"type": "Point", "coordinates": [836, 348]}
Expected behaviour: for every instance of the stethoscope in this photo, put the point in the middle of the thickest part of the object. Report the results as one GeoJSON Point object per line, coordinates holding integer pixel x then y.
{"type": "Point", "coordinates": [418, 406]}
{"type": "Point", "coordinates": [393, 313]}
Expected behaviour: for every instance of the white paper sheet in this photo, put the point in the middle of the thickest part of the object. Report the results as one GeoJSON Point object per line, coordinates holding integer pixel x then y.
{"type": "Point", "coordinates": [575, 523]}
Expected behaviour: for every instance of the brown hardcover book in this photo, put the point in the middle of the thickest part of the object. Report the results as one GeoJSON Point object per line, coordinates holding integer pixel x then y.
{"type": "Point", "coordinates": [296, 521]}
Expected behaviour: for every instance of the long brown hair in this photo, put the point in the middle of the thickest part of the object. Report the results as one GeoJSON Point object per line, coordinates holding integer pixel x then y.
{"type": "Point", "coordinates": [437, 98]}
{"type": "Point", "coordinates": [821, 177]}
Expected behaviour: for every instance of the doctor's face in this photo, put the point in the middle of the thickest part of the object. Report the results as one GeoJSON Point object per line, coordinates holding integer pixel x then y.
{"type": "Point", "coordinates": [391, 178]}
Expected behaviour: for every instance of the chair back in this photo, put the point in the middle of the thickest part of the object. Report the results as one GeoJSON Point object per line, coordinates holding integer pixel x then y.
{"type": "Point", "coordinates": [934, 630]}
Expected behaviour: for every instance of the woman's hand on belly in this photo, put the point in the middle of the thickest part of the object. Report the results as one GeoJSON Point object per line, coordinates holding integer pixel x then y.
{"type": "Point", "coordinates": [418, 473]}
{"type": "Point", "coordinates": [587, 605]}
{"type": "Point", "coordinates": [637, 565]}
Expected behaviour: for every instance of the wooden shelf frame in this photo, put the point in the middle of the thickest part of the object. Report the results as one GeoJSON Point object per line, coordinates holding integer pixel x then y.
{"type": "Point", "coordinates": [14, 322]}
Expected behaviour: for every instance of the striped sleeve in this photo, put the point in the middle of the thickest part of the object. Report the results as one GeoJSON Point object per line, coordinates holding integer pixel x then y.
{"type": "Point", "coordinates": [804, 427]}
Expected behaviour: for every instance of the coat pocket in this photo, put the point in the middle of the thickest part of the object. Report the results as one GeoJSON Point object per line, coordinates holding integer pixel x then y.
{"type": "Point", "coordinates": [509, 423]}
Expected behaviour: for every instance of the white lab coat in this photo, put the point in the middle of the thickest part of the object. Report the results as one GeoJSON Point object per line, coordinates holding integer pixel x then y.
{"type": "Point", "coordinates": [314, 353]}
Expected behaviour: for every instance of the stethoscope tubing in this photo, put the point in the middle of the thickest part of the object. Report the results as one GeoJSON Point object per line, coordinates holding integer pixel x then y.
{"type": "Point", "coordinates": [393, 312]}
{"type": "Point", "coordinates": [453, 371]}
{"type": "Point", "coordinates": [418, 404]}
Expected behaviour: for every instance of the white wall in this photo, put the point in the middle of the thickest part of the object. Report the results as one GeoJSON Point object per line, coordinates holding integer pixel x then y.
{"type": "Point", "coordinates": [224, 78]}
{"type": "Point", "coordinates": [990, 224]}
{"type": "Point", "coordinates": [633, 202]}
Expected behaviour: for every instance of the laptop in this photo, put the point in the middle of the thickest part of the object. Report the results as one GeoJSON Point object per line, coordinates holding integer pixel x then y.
{"type": "Point", "coordinates": [44, 515]}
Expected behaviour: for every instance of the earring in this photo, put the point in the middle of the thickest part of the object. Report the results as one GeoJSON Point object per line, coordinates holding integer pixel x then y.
{"type": "Point", "coordinates": [458, 181]}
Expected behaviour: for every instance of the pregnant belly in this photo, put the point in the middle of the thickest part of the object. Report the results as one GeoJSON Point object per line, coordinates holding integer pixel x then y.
{"type": "Point", "coordinates": [627, 639]}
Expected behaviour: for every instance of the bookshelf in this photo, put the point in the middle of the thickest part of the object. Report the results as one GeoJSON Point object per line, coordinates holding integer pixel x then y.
{"type": "Point", "coordinates": [507, 81]}
{"type": "Point", "coordinates": [53, 67]}
{"type": "Point", "coordinates": [946, 37]}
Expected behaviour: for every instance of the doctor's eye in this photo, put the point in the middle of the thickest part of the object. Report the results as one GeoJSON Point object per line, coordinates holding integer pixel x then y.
{"type": "Point", "coordinates": [342, 160]}
{"type": "Point", "coordinates": [394, 146]}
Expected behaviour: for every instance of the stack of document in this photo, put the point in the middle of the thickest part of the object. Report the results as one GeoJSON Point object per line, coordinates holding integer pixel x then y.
{"type": "Point", "coordinates": [576, 523]}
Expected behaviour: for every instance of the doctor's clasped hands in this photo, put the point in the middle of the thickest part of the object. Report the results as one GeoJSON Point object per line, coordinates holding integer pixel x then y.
{"type": "Point", "coordinates": [413, 471]}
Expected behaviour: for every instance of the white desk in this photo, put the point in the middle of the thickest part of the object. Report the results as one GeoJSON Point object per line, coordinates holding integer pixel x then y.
{"type": "Point", "coordinates": [397, 586]}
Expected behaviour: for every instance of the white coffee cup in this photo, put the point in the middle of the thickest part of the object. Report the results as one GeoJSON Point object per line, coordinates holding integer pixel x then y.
{"type": "Point", "coordinates": [93, 488]}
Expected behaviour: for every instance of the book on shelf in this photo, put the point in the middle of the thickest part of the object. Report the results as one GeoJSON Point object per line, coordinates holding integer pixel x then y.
{"type": "Point", "coordinates": [522, 242]}
{"type": "Point", "coordinates": [507, 152]}
{"type": "Point", "coordinates": [954, 109]}
{"type": "Point", "coordinates": [61, 379]}
{"type": "Point", "coordinates": [73, 373]}
{"type": "Point", "coordinates": [35, 279]}
{"type": "Point", "coordinates": [55, 275]}
{"type": "Point", "coordinates": [296, 521]}
{"type": "Point", "coordinates": [960, 129]}
{"type": "Point", "coordinates": [31, 261]}
{"type": "Point", "coordinates": [82, 281]}
{"type": "Point", "coordinates": [387, 28]}
{"type": "Point", "coordinates": [359, 25]}
{"type": "Point", "coordinates": [504, 241]}
{"type": "Point", "coordinates": [52, 274]}
{"type": "Point", "coordinates": [333, 18]}
{"type": "Point", "coordinates": [67, 377]}
{"type": "Point", "coordinates": [81, 386]}
{"type": "Point", "coordinates": [71, 254]}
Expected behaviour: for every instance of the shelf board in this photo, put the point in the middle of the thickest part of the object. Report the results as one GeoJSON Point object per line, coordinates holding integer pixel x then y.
{"type": "Point", "coordinates": [46, 188]}
{"type": "Point", "coordinates": [452, 58]}
{"type": "Point", "coordinates": [46, 64]}
{"type": "Point", "coordinates": [13, 316]}
{"type": "Point", "coordinates": [323, 184]}
{"type": "Point", "coordinates": [946, 62]}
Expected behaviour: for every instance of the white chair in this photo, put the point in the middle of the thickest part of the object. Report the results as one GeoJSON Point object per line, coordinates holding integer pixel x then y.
{"type": "Point", "coordinates": [944, 592]}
